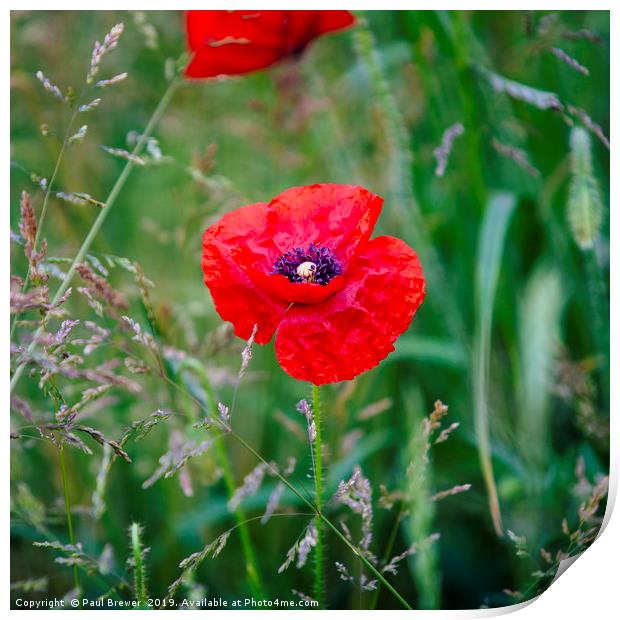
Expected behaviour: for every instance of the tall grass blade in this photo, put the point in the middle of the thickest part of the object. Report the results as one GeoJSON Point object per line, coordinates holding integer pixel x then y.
{"type": "Point", "coordinates": [490, 246]}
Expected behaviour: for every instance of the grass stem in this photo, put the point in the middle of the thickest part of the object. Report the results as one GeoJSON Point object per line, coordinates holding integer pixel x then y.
{"type": "Point", "coordinates": [65, 487]}
{"type": "Point", "coordinates": [251, 564]}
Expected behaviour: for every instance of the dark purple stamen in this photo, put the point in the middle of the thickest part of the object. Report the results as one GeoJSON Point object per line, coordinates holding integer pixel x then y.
{"type": "Point", "coordinates": [325, 265]}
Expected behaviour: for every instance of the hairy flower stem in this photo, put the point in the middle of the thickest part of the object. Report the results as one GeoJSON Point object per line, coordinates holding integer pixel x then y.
{"type": "Point", "coordinates": [65, 487]}
{"type": "Point", "coordinates": [103, 214]}
{"type": "Point", "coordinates": [319, 556]}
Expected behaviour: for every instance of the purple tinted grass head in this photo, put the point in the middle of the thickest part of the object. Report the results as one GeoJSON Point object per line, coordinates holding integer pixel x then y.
{"type": "Point", "coordinates": [313, 264]}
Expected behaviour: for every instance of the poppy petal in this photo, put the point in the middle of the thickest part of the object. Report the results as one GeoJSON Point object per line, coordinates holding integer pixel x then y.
{"type": "Point", "coordinates": [334, 20]}
{"type": "Point", "coordinates": [354, 329]}
{"type": "Point", "coordinates": [236, 297]}
{"type": "Point", "coordinates": [296, 292]}
{"type": "Point", "coordinates": [340, 217]}
{"type": "Point", "coordinates": [231, 42]}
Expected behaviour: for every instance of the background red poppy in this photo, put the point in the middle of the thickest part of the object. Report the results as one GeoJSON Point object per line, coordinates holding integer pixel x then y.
{"type": "Point", "coordinates": [238, 42]}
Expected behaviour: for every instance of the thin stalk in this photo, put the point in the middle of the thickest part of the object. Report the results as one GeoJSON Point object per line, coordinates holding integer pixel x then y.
{"type": "Point", "coordinates": [325, 520]}
{"type": "Point", "coordinates": [388, 553]}
{"type": "Point", "coordinates": [65, 486]}
{"type": "Point", "coordinates": [368, 564]}
{"type": "Point", "coordinates": [122, 585]}
{"type": "Point", "coordinates": [469, 104]}
{"type": "Point", "coordinates": [319, 555]}
{"type": "Point", "coordinates": [103, 214]}
{"type": "Point", "coordinates": [251, 566]}
{"type": "Point", "coordinates": [48, 191]}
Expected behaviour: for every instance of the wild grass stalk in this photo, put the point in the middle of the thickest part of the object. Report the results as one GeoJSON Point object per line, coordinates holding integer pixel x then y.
{"type": "Point", "coordinates": [418, 504]}
{"type": "Point", "coordinates": [48, 191]}
{"type": "Point", "coordinates": [110, 42]}
{"type": "Point", "coordinates": [463, 41]}
{"type": "Point", "coordinates": [387, 554]}
{"type": "Point", "coordinates": [251, 564]}
{"type": "Point", "coordinates": [584, 212]}
{"type": "Point", "coordinates": [599, 303]}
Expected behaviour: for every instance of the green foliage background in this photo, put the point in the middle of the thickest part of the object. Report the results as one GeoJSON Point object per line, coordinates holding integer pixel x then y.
{"type": "Point", "coordinates": [326, 119]}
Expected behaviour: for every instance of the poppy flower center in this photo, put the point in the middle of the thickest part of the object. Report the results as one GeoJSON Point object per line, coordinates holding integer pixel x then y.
{"type": "Point", "coordinates": [312, 264]}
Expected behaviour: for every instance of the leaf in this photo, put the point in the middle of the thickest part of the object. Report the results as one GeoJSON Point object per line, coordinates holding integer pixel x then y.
{"type": "Point", "coordinates": [490, 247]}
{"type": "Point", "coordinates": [540, 313]}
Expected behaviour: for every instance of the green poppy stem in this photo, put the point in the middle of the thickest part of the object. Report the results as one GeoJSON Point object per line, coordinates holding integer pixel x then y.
{"type": "Point", "coordinates": [319, 556]}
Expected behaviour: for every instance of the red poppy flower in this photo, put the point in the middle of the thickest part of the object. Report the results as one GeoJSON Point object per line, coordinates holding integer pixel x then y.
{"type": "Point", "coordinates": [237, 42]}
{"type": "Point", "coordinates": [304, 267]}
